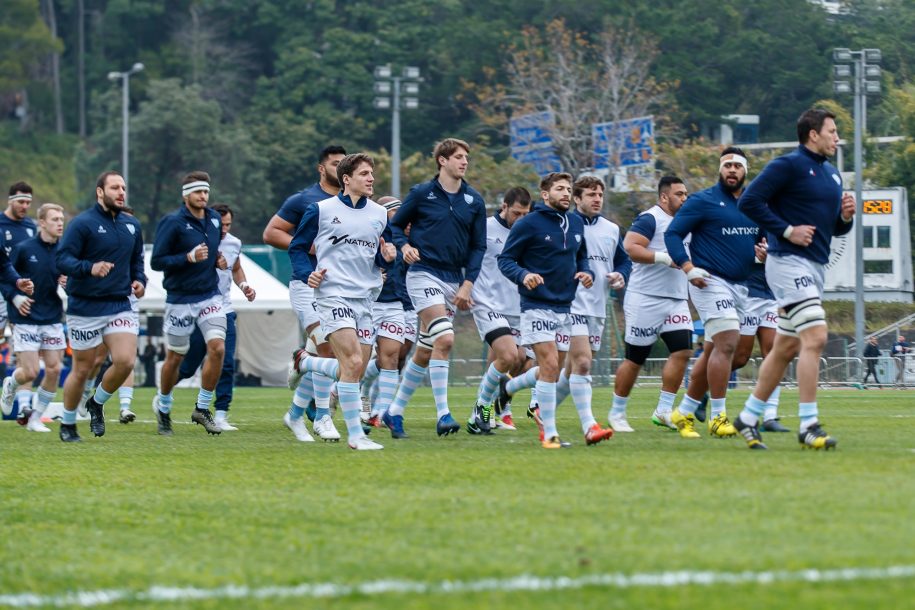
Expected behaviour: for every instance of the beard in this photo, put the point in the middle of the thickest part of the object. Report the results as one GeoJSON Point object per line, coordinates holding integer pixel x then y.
{"type": "Point", "coordinates": [331, 179]}
{"type": "Point", "coordinates": [731, 189]}
{"type": "Point", "coordinates": [110, 204]}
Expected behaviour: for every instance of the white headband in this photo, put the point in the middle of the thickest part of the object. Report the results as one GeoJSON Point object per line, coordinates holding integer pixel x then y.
{"type": "Point", "coordinates": [391, 205]}
{"type": "Point", "coordinates": [735, 158]}
{"type": "Point", "coordinates": [193, 187]}
{"type": "Point", "coordinates": [25, 196]}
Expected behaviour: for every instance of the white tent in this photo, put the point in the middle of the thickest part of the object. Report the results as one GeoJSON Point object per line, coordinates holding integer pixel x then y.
{"type": "Point", "coordinates": [268, 329]}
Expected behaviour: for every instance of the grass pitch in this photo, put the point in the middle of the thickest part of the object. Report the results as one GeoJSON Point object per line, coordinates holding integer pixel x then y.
{"type": "Point", "coordinates": [256, 508]}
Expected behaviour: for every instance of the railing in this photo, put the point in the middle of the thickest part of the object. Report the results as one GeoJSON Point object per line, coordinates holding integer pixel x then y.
{"type": "Point", "coordinates": [834, 372]}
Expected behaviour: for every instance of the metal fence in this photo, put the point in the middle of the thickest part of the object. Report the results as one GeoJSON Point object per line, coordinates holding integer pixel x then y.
{"type": "Point", "coordinates": [834, 372]}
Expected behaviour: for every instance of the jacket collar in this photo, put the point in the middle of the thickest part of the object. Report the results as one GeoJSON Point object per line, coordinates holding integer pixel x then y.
{"type": "Point", "coordinates": [818, 158]}
{"type": "Point", "coordinates": [348, 201]}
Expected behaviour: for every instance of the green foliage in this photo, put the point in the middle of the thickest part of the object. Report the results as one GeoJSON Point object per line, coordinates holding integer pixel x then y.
{"type": "Point", "coordinates": [24, 39]}
{"type": "Point", "coordinates": [43, 160]}
{"type": "Point", "coordinates": [176, 131]}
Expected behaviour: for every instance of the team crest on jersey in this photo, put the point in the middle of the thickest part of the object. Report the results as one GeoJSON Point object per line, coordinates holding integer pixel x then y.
{"type": "Point", "coordinates": [187, 227]}
{"type": "Point", "coordinates": [8, 235]}
{"type": "Point", "coordinates": [837, 179]}
{"type": "Point", "coordinates": [101, 229]}
{"type": "Point", "coordinates": [32, 259]}
{"type": "Point", "coordinates": [468, 198]}
{"type": "Point", "coordinates": [578, 238]}
{"type": "Point", "coordinates": [377, 226]}
{"type": "Point", "coordinates": [431, 195]}
{"type": "Point", "coordinates": [721, 203]}
{"type": "Point", "coordinates": [215, 222]}
{"type": "Point", "coordinates": [335, 221]}
{"type": "Point", "coordinates": [131, 229]}
{"type": "Point", "coordinates": [30, 232]}
{"type": "Point", "coordinates": [812, 173]}
{"type": "Point", "coordinates": [547, 238]}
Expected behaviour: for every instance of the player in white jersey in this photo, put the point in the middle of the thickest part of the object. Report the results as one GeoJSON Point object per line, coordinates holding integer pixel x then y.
{"type": "Point", "coordinates": [497, 311]}
{"type": "Point", "coordinates": [655, 307]}
{"type": "Point", "coordinates": [611, 266]}
{"type": "Point", "coordinates": [346, 232]}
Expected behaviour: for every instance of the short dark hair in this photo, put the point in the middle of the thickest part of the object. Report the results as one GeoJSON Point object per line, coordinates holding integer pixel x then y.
{"type": "Point", "coordinates": [517, 195]}
{"type": "Point", "coordinates": [812, 119]}
{"type": "Point", "coordinates": [196, 176]}
{"type": "Point", "coordinates": [222, 209]}
{"type": "Point", "coordinates": [327, 151]}
{"type": "Point", "coordinates": [586, 182]}
{"type": "Point", "coordinates": [666, 182]}
{"type": "Point", "coordinates": [552, 178]}
{"type": "Point", "coordinates": [448, 147]}
{"type": "Point", "coordinates": [103, 178]}
{"type": "Point", "coordinates": [733, 150]}
{"type": "Point", "coordinates": [349, 163]}
{"type": "Point", "coordinates": [21, 187]}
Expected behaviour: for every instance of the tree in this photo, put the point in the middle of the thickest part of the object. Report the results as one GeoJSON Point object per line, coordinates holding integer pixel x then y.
{"type": "Point", "coordinates": [176, 131]}
{"type": "Point", "coordinates": [24, 38]}
{"type": "Point", "coordinates": [579, 80]}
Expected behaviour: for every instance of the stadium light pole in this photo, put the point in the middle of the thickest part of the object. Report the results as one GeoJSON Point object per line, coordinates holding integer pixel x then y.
{"type": "Point", "coordinates": [125, 106]}
{"type": "Point", "coordinates": [396, 93]}
{"type": "Point", "coordinates": [865, 66]}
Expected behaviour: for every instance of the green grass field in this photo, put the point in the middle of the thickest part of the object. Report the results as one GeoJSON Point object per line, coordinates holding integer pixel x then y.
{"type": "Point", "coordinates": [257, 509]}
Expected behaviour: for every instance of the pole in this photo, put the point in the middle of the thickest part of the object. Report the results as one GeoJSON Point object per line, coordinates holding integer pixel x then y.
{"type": "Point", "coordinates": [395, 141]}
{"type": "Point", "coordinates": [859, 206]}
{"type": "Point", "coordinates": [125, 156]}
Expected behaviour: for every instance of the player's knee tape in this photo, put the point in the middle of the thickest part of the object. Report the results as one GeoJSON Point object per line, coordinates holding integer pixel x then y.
{"type": "Point", "coordinates": [677, 340]}
{"type": "Point", "coordinates": [806, 314]}
{"type": "Point", "coordinates": [178, 344]}
{"type": "Point", "coordinates": [214, 328]}
{"type": "Point", "coordinates": [492, 335]}
{"type": "Point", "coordinates": [719, 325]}
{"type": "Point", "coordinates": [638, 353]}
{"type": "Point", "coordinates": [439, 327]}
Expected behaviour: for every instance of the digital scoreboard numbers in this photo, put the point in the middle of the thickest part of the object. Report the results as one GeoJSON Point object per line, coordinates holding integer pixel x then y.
{"type": "Point", "coordinates": [878, 206]}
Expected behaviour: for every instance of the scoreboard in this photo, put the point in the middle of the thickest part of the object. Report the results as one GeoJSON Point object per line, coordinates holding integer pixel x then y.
{"type": "Point", "coordinates": [887, 251]}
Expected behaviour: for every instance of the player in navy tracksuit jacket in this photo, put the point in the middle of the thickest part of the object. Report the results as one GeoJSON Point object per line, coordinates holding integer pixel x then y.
{"type": "Point", "coordinates": [546, 256]}
{"type": "Point", "coordinates": [101, 253]}
{"type": "Point", "coordinates": [720, 259]}
{"type": "Point", "coordinates": [798, 200]}
{"type": "Point", "coordinates": [445, 248]}
{"type": "Point", "coordinates": [37, 331]}
{"type": "Point", "coordinates": [186, 250]}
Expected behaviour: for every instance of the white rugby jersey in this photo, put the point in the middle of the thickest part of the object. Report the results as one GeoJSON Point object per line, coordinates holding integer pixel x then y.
{"type": "Point", "coordinates": [230, 248]}
{"type": "Point", "coordinates": [493, 291]}
{"type": "Point", "coordinates": [658, 280]}
{"type": "Point", "coordinates": [346, 244]}
{"type": "Point", "coordinates": [601, 239]}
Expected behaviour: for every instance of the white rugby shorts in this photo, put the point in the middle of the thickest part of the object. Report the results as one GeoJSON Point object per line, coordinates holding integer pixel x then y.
{"type": "Point", "coordinates": [87, 332]}
{"type": "Point", "coordinates": [337, 313]}
{"type": "Point", "coordinates": [411, 325]}
{"type": "Point", "coordinates": [648, 317]}
{"type": "Point", "coordinates": [794, 279]}
{"type": "Point", "coordinates": [426, 290]}
{"type": "Point", "coordinates": [302, 298]}
{"type": "Point", "coordinates": [758, 313]}
{"type": "Point", "coordinates": [719, 300]}
{"type": "Point", "coordinates": [545, 326]}
{"type": "Point", "coordinates": [488, 321]}
{"type": "Point", "coordinates": [181, 317]}
{"type": "Point", "coordinates": [591, 327]}
{"type": "Point", "coordinates": [37, 337]}
{"type": "Point", "coordinates": [388, 320]}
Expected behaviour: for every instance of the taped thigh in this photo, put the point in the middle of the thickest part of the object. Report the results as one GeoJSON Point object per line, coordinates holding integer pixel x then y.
{"type": "Point", "coordinates": [180, 344]}
{"type": "Point", "coordinates": [439, 327]}
{"type": "Point", "coordinates": [806, 314]}
{"type": "Point", "coordinates": [213, 328]}
{"type": "Point", "coordinates": [719, 325]}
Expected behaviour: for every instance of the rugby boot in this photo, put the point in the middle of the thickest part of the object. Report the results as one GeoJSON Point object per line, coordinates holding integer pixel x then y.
{"type": "Point", "coordinates": [816, 438]}
{"type": "Point", "coordinates": [205, 419]}
{"type": "Point", "coordinates": [534, 414]}
{"type": "Point", "coordinates": [721, 426]}
{"type": "Point", "coordinates": [596, 434]}
{"type": "Point", "coordinates": [773, 425]}
{"type": "Point", "coordinates": [394, 423]}
{"type": "Point", "coordinates": [750, 434]}
{"type": "Point", "coordinates": [68, 433]}
{"type": "Point", "coordinates": [686, 424]}
{"type": "Point", "coordinates": [96, 417]}
{"type": "Point", "coordinates": [554, 442]}
{"type": "Point", "coordinates": [446, 425]}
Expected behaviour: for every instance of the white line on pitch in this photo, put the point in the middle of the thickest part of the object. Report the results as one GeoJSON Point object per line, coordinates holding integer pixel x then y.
{"type": "Point", "coordinates": [87, 599]}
